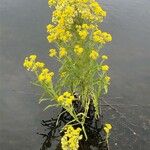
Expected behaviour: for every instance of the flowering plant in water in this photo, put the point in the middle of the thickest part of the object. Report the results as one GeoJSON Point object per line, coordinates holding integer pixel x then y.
{"type": "Point", "coordinates": [79, 41]}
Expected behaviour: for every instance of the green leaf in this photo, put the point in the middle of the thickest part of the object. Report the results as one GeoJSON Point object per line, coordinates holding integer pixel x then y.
{"type": "Point", "coordinates": [49, 106]}
{"type": "Point", "coordinates": [44, 99]}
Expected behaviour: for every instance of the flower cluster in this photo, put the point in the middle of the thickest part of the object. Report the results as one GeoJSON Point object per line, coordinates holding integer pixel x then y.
{"type": "Point", "coordinates": [70, 140]}
{"type": "Point", "coordinates": [69, 14]}
{"type": "Point", "coordinates": [105, 68]}
{"type": "Point", "coordinates": [52, 52]}
{"type": "Point", "coordinates": [66, 99]}
{"type": "Point", "coordinates": [94, 55]}
{"type": "Point", "coordinates": [31, 64]}
{"type": "Point", "coordinates": [101, 37]}
{"type": "Point", "coordinates": [78, 50]}
{"type": "Point", "coordinates": [107, 128]}
{"type": "Point", "coordinates": [43, 74]}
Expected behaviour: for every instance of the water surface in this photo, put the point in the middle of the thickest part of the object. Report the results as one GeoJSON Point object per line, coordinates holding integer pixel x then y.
{"type": "Point", "coordinates": [22, 31]}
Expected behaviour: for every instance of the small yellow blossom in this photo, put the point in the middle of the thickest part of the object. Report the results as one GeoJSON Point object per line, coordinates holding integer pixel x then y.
{"type": "Point", "coordinates": [51, 2]}
{"type": "Point", "coordinates": [104, 57]}
{"type": "Point", "coordinates": [105, 68]}
{"type": "Point", "coordinates": [107, 37]}
{"type": "Point", "coordinates": [66, 99]}
{"type": "Point", "coordinates": [97, 37]}
{"type": "Point", "coordinates": [51, 37]}
{"type": "Point", "coordinates": [83, 34]}
{"type": "Point", "coordinates": [107, 79]}
{"type": "Point", "coordinates": [107, 128]}
{"type": "Point", "coordinates": [32, 57]}
{"type": "Point", "coordinates": [70, 140]}
{"type": "Point", "coordinates": [94, 55]}
{"type": "Point", "coordinates": [78, 50]}
{"type": "Point", "coordinates": [29, 62]}
{"type": "Point", "coordinates": [108, 125]}
{"type": "Point", "coordinates": [45, 76]}
{"type": "Point", "coordinates": [40, 64]}
{"type": "Point", "coordinates": [62, 52]}
{"type": "Point", "coordinates": [52, 52]}
{"type": "Point", "coordinates": [49, 27]}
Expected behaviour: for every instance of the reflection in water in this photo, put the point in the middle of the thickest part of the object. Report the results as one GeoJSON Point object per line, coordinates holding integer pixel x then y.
{"type": "Point", "coordinates": [94, 130]}
{"type": "Point", "coordinates": [126, 134]}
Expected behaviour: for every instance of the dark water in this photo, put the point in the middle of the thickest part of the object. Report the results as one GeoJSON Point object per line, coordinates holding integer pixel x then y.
{"type": "Point", "coordinates": [22, 31]}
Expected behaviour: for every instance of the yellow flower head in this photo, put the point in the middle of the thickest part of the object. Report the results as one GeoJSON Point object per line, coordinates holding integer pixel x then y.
{"type": "Point", "coordinates": [83, 34]}
{"type": "Point", "coordinates": [62, 52]}
{"type": "Point", "coordinates": [51, 2]}
{"type": "Point", "coordinates": [107, 37]}
{"type": "Point", "coordinates": [29, 62]}
{"type": "Point", "coordinates": [94, 55]}
{"type": "Point", "coordinates": [107, 79]}
{"type": "Point", "coordinates": [45, 76]}
{"type": "Point", "coordinates": [32, 57]}
{"type": "Point", "coordinates": [40, 64]}
{"type": "Point", "coordinates": [108, 125]}
{"type": "Point", "coordinates": [105, 68]}
{"type": "Point", "coordinates": [104, 57]}
{"type": "Point", "coordinates": [66, 99]}
{"type": "Point", "coordinates": [97, 37]}
{"type": "Point", "coordinates": [107, 128]}
{"type": "Point", "coordinates": [52, 52]}
{"type": "Point", "coordinates": [78, 50]}
{"type": "Point", "coordinates": [70, 140]}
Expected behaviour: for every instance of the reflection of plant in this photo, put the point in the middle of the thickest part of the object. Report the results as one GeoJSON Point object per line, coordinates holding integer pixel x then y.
{"type": "Point", "coordinates": [79, 41]}
{"type": "Point", "coordinates": [71, 138]}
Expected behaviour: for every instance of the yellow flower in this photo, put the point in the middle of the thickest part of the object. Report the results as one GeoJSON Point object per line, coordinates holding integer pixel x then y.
{"type": "Point", "coordinates": [60, 98]}
{"type": "Point", "coordinates": [51, 2]}
{"type": "Point", "coordinates": [106, 130]}
{"type": "Point", "coordinates": [70, 140]}
{"type": "Point", "coordinates": [66, 99]}
{"type": "Point", "coordinates": [52, 52]}
{"type": "Point", "coordinates": [83, 34]}
{"type": "Point", "coordinates": [62, 52]}
{"type": "Point", "coordinates": [40, 64]}
{"type": "Point", "coordinates": [32, 57]}
{"type": "Point", "coordinates": [97, 37]}
{"type": "Point", "coordinates": [107, 79]}
{"type": "Point", "coordinates": [49, 27]}
{"type": "Point", "coordinates": [105, 68]}
{"type": "Point", "coordinates": [97, 9]}
{"type": "Point", "coordinates": [29, 62]}
{"type": "Point", "coordinates": [104, 57]}
{"type": "Point", "coordinates": [78, 50]}
{"type": "Point", "coordinates": [51, 38]}
{"type": "Point", "coordinates": [94, 55]}
{"type": "Point", "coordinates": [67, 94]}
{"type": "Point", "coordinates": [108, 125]}
{"type": "Point", "coordinates": [45, 76]}
{"type": "Point", "coordinates": [107, 37]}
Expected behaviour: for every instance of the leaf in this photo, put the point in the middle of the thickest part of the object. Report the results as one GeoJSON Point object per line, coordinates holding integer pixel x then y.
{"type": "Point", "coordinates": [44, 99]}
{"type": "Point", "coordinates": [49, 106]}
{"type": "Point", "coordinates": [96, 104]}
{"type": "Point", "coordinates": [106, 89]}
